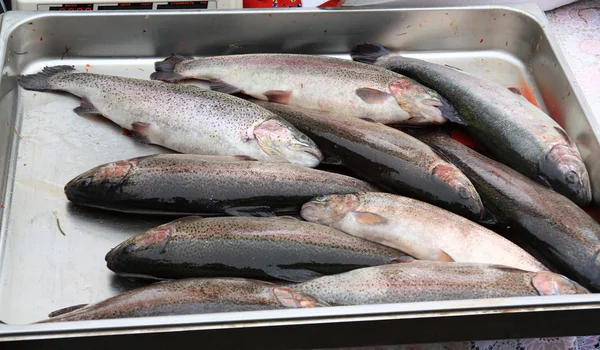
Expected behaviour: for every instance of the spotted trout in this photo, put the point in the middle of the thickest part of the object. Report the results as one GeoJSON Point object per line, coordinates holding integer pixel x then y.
{"type": "Point", "coordinates": [547, 224]}
{"type": "Point", "coordinates": [183, 118]}
{"type": "Point", "coordinates": [186, 184]}
{"type": "Point", "coordinates": [263, 248]}
{"type": "Point", "coordinates": [390, 158]}
{"type": "Point", "coordinates": [191, 296]}
{"type": "Point", "coordinates": [416, 228]}
{"type": "Point", "coordinates": [315, 82]}
{"type": "Point", "coordinates": [435, 281]}
{"type": "Point", "coordinates": [511, 129]}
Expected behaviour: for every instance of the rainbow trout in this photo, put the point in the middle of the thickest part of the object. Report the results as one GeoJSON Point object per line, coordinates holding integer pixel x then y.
{"type": "Point", "coordinates": [183, 118]}
{"type": "Point", "coordinates": [315, 82]}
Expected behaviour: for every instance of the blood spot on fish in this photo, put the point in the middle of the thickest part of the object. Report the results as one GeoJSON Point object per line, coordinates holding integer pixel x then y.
{"type": "Point", "coordinates": [41, 39]}
{"type": "Point", "coordinates": [2, 206]}
{"type": "Point", "coordinates": [126, 132]}
{"type": "Point", "coordinates": [480, 41]}
{"type": "Point", "coordinates": [569, 94]}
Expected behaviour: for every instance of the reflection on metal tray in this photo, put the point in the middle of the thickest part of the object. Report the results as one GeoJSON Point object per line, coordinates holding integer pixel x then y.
{"type": "Point", "coordinates": [53, 253]}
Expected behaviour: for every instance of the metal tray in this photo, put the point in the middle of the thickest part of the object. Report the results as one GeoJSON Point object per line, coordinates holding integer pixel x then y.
{"type": "Point", "coordinates": [52, 253]}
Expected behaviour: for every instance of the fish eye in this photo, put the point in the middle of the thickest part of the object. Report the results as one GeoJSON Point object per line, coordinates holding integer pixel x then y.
{"type": "Point", "coordinates": [303, 138]}
{"type": "Point", "coordinates": [572, 177]}
{"type": "Point", "coordinates": [86, 182]}
{"type": "Point", "coordinates": [321, 199]}
{"type": "Point", "coordinates": [463, 193]}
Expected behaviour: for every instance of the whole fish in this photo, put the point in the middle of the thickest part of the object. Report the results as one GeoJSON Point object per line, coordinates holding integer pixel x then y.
{"type": "Point", "coordinates": [183, 118]}
{"type": "Point", "coordinates": [512, 130]}
{"type": "Point", "coordinates": [390, 158]}
{"type": "Point", "coordinates": [416, 228]}
{"type": "Point", "coordinates": [190, 296]}
{"type": "Point", "coordinates": [315, 82]}
{"type": "Point", "coordinates": [193, 184]}
{"type": "Point", "coordinates": [263, 248]}
{"type": "Point", "coordinates": [549, 225]}
{"type": "Point", "coordinates": [435, 281]}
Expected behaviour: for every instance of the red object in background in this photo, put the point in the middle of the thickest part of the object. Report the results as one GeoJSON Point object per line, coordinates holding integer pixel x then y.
{"type": "Point", "coordinates": [272, 3]}
{"type": "Point", "coordinates": [330, 3]}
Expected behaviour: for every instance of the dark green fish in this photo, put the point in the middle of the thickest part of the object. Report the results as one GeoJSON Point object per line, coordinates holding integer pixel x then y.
{"type": "Point", "coordinates": [262, 248]}
{"type": "Point", "coordinates": [395, 161]}
{"type": "Point", "coordinates": [513, 130]}
{"type": "Point", "coordinates": [191, 296]}
{"type": "Point", "coordinates": [208, 185]}
{"type": "Point", "coordinates": [550, 226]}
{"type": "Point", "coordinates": [424, 280]}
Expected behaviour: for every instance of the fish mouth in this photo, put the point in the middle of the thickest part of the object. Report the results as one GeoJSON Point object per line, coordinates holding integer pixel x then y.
{"type": "Point", "coordinates": [315, 154]}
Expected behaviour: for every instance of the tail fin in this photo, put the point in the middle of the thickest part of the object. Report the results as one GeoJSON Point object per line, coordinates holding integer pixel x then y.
{"type": "Point", "coordinates": [41, 81]}
{"type": "Point", "coordinates": [165, 69]}
{"type": "Point", "coordinates": [368, 53]}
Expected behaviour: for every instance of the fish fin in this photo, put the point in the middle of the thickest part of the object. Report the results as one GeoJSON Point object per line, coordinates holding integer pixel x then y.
{"type": "Point", "coordinates": [368, 218]}
{"type": "Point", "coordinates": [248, 158]}
{"type": "Point", "coordinates": [165, 69]}
{"type": "Point", "coordinates": [542, 180]}
{"type": "Point", "coordinates": [372, 96]}
{"type": "Point", "coordinates": [368, 53]}
{"type": "Point", "coordinates": [41, 81]}
{"type": "Point", "coordinates": [221, 86]}
{"type": "Point", "coordinates": [332, 160]}
{"type": "Point", "coordinates": [168, 77]}
{"type": "Point", "coordinates": [66, 310]}
{"type": "Point", "coordinates": [278, 96]}
{"type": "Point", "coordinates": [515, 91]}
{"type": "Point", "coordinates": [367, 119]}
{"type": "Point", "coordinates": [259, 211]}
{"type": "Point", "coordinates": [86, 107]}
{"type": "Point", "coordinates": [443, 256]}
{"type": "Point", "coordinates": [294, 275]}
{"type": "Point", "coordinates": [139, 132]}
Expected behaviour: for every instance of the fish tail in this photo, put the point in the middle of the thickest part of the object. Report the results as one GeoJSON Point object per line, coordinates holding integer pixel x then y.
{"type": "Point", "coordinates": [368, 53]}
{"type": "Point", "coordinates": [41, 81]}
{"type": "Point", "coordinates": [165, 69]}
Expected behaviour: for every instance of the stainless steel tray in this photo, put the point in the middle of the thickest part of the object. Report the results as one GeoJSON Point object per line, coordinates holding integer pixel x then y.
{"type": "Point", "coordinates": [52, 253]}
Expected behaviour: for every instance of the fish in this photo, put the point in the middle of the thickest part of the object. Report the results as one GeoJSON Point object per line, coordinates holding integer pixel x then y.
{"type": "Point", "coordinates": [185, 119]}
{"type": "Point", "coordinates": [276, 248]}
{"type": "Point", "coordinates": [395, 161]}
{"type": "Point", "coordinates": [188, 184]}
{"type": "Point", "coordinates": [419, 229]}
{"type": "Point", "coordinates": [550, 226]}
{"type": "Point", "coordinates": [424, 280]}
{"type": "Point", "coordinates": [315, 82]}
{"type": "Point", "coordinates": [510, 128]}
{"type": "Point", "coordinates": [190, 296]}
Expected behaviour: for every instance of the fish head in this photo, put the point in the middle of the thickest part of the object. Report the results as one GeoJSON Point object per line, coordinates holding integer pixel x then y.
{"type": "Point", "coordinates": [329, 209]}
{"type": "Point", "coordinates": [564, 170]}
{"type": "Point", "coordinates": [282, 140]}
{"type": "Point", "coordinates": [463, 192]}
{"type": "Point", "coordinates": [148, 244]}
{"type": "Point", "coordinates": [550, 283]}
{"type": "Point", "coordinates": [291, 298]}
{"type": "Point", "coordinates": [96, 182]}
{"type": "Point", "coordinates": [423, 105]}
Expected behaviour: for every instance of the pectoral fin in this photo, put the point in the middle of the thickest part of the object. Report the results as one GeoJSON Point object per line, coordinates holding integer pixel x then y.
{"type": "Point", "coordinates": [293, 275]}
{"type": "Point", "coordinates": [258, 211]}
{"type": "Point", "coordinates": [221, 86]}
{"type": "Point", "coordinates": [443, 256]}
{"type": "Point", "coordinates": [66, 310]}
{"type": "Point", "coordinates": [367, 218]}
{"type": "Point", "coordinates": [372, 96]}
{"type": "Point", "coordinates": [140, 132]}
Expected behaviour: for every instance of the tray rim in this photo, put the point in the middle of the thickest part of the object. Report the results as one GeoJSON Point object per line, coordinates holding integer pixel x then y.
{"type": "Point", "coordinates": [401, 313]}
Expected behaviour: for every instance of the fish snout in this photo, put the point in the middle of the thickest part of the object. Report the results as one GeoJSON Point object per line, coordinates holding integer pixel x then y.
{"type": "Point", "coordinates": [424, 106]}
{"type": "Point", "coordinates": [549, 283]}
{"type": "Point", "coordinates": [464, 193]}
{"type": "Point", "coordinates": [567, 174]}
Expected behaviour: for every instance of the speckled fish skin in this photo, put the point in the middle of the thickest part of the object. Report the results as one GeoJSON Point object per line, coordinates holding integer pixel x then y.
{"type": "Point", "coordinates": [316, 82]}
{"type": "Point", "coordinates": [512, 130]}
{"type": "Point", "coordinates": [435, 281]}
{"type": "Point", "coordinates": [193, 296]}
{"type": "Point", "coordinates": [204, 185]}
{"type": "Point", "coordinates": [186, 119]}
{"type": "Point", "coordinates": [416, 228]}
{"type": "Point", "coordinates": [550, 226]}
{"type": "Point", "coordinates": [262, 248]}
{"type": "Point", "coordinates": [390, 158]}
